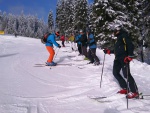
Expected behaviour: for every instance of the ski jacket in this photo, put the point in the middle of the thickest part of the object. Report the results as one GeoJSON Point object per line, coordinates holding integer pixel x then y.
{"type": "Point", "coordinates": [91, 41]}
{"type": "Point", "coordinates": [71, 38]}
{"type": "Point", "coordinates": [83, 40]}
{"type": "Point", "coordinates": [123, 46]}
{"type": "Point", "coordinates": [51, 40]}
{"type": "Point", "coordinates": [77, 39]}
{"type": "Point", "coordinates": [62, 38]}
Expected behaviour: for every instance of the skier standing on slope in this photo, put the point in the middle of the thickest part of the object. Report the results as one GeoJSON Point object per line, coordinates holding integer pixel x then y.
{"type": "Point", "coordinates": [62, 38]}
{"type": "Point", "coordinates": [71, 40]}
{"type": "Point", "coordinates": [83, 40]}
{"type": "Point", "coordinates": [92, 48]}
{"type": "Point", "coordinates": [123, 50]}
{"type": "Point", "coordinates": [49, 46]}
{"type": "Point", "coordinates": [79, 44]}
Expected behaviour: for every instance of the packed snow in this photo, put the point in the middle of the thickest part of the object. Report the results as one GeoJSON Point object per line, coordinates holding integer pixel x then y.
{"type": "Point", "coordinates": [28, 86]}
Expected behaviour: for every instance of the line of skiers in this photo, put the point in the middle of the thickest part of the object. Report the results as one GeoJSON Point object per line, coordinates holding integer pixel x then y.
{"type": "Point", "coordinates": [83, 40]}
{"type": "Point", "coordinates": [123, 50]}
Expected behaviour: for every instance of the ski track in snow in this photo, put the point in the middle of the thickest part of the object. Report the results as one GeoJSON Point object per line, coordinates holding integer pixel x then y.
{"type": "Point", "coordinates": [62, 89]}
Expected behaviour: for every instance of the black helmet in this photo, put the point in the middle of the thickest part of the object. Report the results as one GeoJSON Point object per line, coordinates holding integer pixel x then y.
{"type": "Point", "coordinates": [88, 30]}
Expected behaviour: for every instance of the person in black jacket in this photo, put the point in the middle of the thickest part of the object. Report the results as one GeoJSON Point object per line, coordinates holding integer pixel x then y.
{"type": "Point", "coordinates": [83, 41]}
{"type": "Point", "coordinates": [92, 48]}
{"type": "Point", "coordinates": [123, 50]}
{"type": "Point", "coordinates": [77, 37]}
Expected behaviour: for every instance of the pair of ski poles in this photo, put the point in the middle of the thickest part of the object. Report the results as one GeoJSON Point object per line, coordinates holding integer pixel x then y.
{"type": "Point", "coordinates": [127, 77]}
{"type": "Point", "coordinates": [102, 71]}
{"type": "Point", "coordinates": [127, 66]}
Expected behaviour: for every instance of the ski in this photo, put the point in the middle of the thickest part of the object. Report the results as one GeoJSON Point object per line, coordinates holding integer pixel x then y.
{"type": "Point", "coordinates": [81, 67]}
{"type": "Point", "coordinates": [101, 97]}
{"type": "Point", "coordinates": [84, 66]}
{"type": "Point", "coordinates": [77, 60]}
{"type": "Point", "coordinates": [70, 56]}
{"type": "Point", "coordinates": [109, 98]}
{"type": "Point", "coordinates": [43, 65]}
{"type": "Point", "coordinates": [114, 97]}
{"type": "Point", "coordinates": [142, 96]}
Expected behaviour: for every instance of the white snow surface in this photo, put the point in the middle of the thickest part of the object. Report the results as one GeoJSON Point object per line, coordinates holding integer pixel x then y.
{"type": "Point", "coordinates": [27, 86]}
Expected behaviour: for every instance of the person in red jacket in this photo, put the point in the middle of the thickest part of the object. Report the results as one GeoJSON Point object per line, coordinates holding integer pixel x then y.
{"type": "Point", "coordinates": [62, 38]}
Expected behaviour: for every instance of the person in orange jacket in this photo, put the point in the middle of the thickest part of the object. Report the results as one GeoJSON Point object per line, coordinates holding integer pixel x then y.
{"type": "Point", "coordinates": [49, 46]}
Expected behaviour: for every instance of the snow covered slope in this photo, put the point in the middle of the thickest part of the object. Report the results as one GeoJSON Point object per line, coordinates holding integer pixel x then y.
{"type": "Point", "coordinates": [27, 86]}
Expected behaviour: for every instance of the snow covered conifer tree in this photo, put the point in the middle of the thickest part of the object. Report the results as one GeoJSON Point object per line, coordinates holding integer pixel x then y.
{"type": "Point", "coordinates": [50, 21]}
{"type": "Point", "coordinates": [60, 15]}
{"type": "Point", "coordinates": [144, 28]}
{"type": "Point", "coordinates": [11, 24]}
{"type": "Point", "coordinates": [102, 17]}
{"type": "Point", "coordinates": [121, 12]}
{"type": "Point", "coordinates": [65, 16]}
{"type": "Point", "coordinates": [81, 17]}
{"type": "Point", "coordinates": [69, 16]}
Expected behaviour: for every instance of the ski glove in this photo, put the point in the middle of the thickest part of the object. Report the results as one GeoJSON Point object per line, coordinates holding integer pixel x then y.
{"type": "Point", "coordinates": [127, 59]}
{"type": "Point", "coordinates": [106, 51]}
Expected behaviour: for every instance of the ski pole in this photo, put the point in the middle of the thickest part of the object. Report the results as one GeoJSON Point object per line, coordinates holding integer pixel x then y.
{"type": "Point", "coordinates": [102, 70]}
{"type": "Point", "coordinates": [56, 54]}
{"type": "Point", "coordinates": [127, 84]}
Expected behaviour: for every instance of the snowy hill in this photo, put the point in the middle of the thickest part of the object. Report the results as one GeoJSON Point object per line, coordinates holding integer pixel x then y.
{"type": "Point", "coordinates": [27, 86]}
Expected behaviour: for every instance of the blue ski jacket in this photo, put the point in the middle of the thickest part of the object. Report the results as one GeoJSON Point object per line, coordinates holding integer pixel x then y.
{"type": "Point", "coordinates": [51, 40]}
{"type": "Point", "coordinates": [77, 39]}
{"type": "Point", "coordinates": [91, 41]}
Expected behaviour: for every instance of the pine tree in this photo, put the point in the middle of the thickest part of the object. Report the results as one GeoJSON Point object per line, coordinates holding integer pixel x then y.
{"type": "Point", "coordinates": [23, 25]}
{"type": "Point", "coordinates": [81, 17]}
{"type": "Point", "coordinates": [103, 16]}
{"type": "Point", "coordinates": [1, 20]}
{"type": "Point", "coordinates": [50, 21]}
{"type": "Point", "coordinates": [11, 24]}
{"type": "Point", "coordinates": [65, 16]}
{"type": "Point", "coordinates": [4, 21]}
{"type": "Point", "coordinates": [69, 16]}
{"type": "Point", "coordinates": [144, 26]}
{"type": "Point", "coordinates": [60, 16]}
{"type": "Point", "coordinates": [108, 12]}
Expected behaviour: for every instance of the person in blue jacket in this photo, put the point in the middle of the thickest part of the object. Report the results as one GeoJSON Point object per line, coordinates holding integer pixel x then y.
{"type": "Point", "coordinates": [92, 48]}
{"type": "Point", "coordinates": [79, 45]}
{"type": "Point", "coordinates": [49, 46]}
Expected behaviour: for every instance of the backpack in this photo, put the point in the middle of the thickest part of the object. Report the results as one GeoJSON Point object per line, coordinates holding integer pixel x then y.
{"type": "Point", "coordinates": [44, 37]}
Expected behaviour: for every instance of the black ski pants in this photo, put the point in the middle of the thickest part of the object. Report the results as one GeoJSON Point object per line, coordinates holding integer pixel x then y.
{"type": "Point", "coordinates": [79, 48]}
{"type": "Point", "coordinates": [63, 43]}
{"type": "Point", "coordinates": [118, 65]}
{"type": "Point", "coordinates": [92, 55]}
{"type": "Point", "coordinates": [84, 50]}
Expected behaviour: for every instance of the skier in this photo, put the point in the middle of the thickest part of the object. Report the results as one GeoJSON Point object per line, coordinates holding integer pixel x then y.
{"type": "Point", "coordinates": [49, 46]}
{"type": "Point", "coordinates": [123, 50]}
{"type": "Point", "coordinates": [77, 37]}
{"type": "Point", "coordinates": [71, 39]}
{"type": "Point", "coordinates": [92, 48]}
{"type": "Point", "coordinates": [15, 34]}
{"type": "Point", "coordinates": [83, 40]}
{"type": "Point", "coordinates": [62, 38]}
